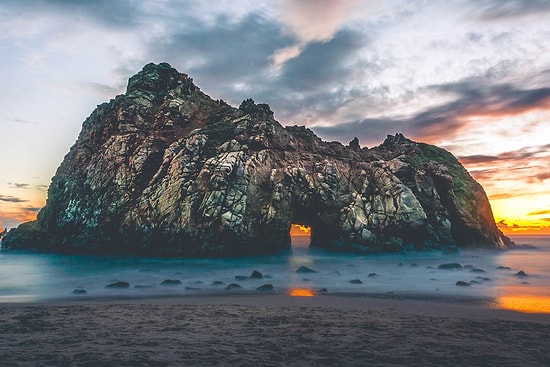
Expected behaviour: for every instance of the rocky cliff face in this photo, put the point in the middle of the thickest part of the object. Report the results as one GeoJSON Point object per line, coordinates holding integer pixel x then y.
{"type": "Point", "coordinates": [166, 170]}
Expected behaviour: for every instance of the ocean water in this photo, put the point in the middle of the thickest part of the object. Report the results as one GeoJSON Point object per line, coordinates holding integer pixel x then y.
{"type": "Point", "coordinates": [26, 277]}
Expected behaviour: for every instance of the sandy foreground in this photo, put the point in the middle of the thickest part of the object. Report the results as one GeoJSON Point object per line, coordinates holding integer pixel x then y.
{"type": "Point", "coordinates": [271, 330]}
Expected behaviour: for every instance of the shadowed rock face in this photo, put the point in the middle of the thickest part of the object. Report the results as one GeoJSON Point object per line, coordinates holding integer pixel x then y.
{"type": "Point", "coordinates": [166, 170]}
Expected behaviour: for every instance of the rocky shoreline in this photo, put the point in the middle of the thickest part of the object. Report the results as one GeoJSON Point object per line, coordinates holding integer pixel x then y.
{"type": "Point", "coordinates": [165, 170]}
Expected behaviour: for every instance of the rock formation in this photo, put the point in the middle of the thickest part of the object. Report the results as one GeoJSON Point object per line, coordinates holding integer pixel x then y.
{"type": "Point", "coordinates": [165, 170]}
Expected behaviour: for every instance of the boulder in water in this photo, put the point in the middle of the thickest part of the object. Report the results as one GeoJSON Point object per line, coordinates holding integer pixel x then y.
{"type": "Point", "coordinates": [503, 268]}
{"type": "Point", "coordinates": [256, 275]}
{"type": "Point", "coordinates": [171, 282]}
{"type": "Point", "coordinates": [305, 270]}
{"type": "Point", "coordinates": [265, 288]}
{"type": "Point", "coordinates": [521, 274]}
{"type": "Point", "coordinates": [462, 283]}
{"type": "Point", "coordinates": [478, 270]}
{"type": "Point", "coordinates": [450, 266]}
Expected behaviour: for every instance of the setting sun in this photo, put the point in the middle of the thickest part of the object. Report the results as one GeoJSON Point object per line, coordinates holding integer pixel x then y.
{"type": "Point", "coordinates": [297, 230]}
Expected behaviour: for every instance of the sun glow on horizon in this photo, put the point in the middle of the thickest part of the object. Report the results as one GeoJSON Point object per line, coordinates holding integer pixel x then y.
{"type": "Point", "coordinates": [20, 203]}
{"type": "Point", "coordinates": [517, 183]}
{"type": "Point", "coordinates": [528, 214]}
{"type": "Point", "coordinates": [12, 217]}
{"type": "Point", "coordinates": [300, 230]}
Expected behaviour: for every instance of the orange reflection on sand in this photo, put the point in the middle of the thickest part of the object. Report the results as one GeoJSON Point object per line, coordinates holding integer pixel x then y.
{"type": "Point", "coordinates": [525, 303]}
{"type": "Point", "coordinates": [301, 292]}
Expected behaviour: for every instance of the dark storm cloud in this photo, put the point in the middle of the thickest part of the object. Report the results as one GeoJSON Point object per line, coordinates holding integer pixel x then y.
{"type": "Point", "coordinates": [321, 63]}
{"type": "Point", "coordinates": [291, 104]}
{"type": "Point", "coordinates": [228, 58]}
{"type": "Point", "coordinates": [12, 199]}
{"type": "Point", "coordinates": [232, 60]}
{"type": "Point", "coordinates": [522, 155]}
{"type": "Point", "coordinates": [478, 98]}
{"type": "Point", "coordinates": [473, 98]}
{"type": "Point", "coordinates": [528, 98]}
{"type": "Point", "coordinates": [499, 9]}
{"type": "Point", "coordinates": [225, 52]}
{"type": "Point", "coordinates": [316, 82]}
{"type": "Point", "coordinates": [114, 14]}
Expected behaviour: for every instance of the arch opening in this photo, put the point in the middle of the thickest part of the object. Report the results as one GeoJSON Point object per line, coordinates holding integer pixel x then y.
{"type": "Point", "coordinates": [300, 235]}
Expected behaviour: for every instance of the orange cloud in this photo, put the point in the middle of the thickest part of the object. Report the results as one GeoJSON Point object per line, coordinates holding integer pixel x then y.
{"type": "Point", "coordinates": [516, 183]}
{"type": "Point", "coordinates": [15, 216]}
{"type": "Point", "coordinates": [475, 101]}
{"type": "Point", "coordinates": [310, 21]}
{"type": "Point", "coordinates": [525, 227]}
{"type": "Point", "coordinates": [540, 212]}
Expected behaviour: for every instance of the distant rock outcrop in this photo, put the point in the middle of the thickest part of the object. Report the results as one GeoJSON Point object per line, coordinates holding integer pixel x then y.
{"type": "Point", "coordinates": [165, 170]}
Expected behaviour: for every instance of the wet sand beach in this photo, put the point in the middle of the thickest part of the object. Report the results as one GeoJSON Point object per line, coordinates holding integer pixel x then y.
{"type": "Point", "coordinates": [271, 330]}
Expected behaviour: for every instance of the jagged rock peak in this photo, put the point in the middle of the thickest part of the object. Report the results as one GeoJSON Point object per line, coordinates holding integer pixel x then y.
{"type": "Point", "coordinates": [397, 139]}
{"type": "Point", "coordinates": [166, 170]}
{"type": "Point", "coordinates": [248, 107]}
{"type": "Point", "coordinates": [354, 144]}
{"type": "Point", "coordinates": [158, 78]}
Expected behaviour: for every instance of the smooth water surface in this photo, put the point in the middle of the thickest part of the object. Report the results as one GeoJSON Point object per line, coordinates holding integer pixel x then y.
{"type": "Point", "coordinates": [35, 277]}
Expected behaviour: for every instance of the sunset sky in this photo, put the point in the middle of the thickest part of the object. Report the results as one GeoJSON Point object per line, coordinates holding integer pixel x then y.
{"type": "Point", "coordinates": [472, 76]}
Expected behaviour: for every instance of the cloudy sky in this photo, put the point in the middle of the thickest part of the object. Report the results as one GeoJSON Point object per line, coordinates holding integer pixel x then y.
{"type": "Point", "coordinates": [472, 76]}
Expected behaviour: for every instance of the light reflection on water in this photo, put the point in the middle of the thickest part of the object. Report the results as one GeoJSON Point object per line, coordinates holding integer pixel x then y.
{"type": "Point", "coordinates": [27, 277]}
{"type": "Point", "coordinates": [18, 298]}
{"type": "Point", "coordinates": [526, 294]}
{"type": "Point", "coordinates": [301, 292]}
{"type": "Point", "coordinates": [525, 303]}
